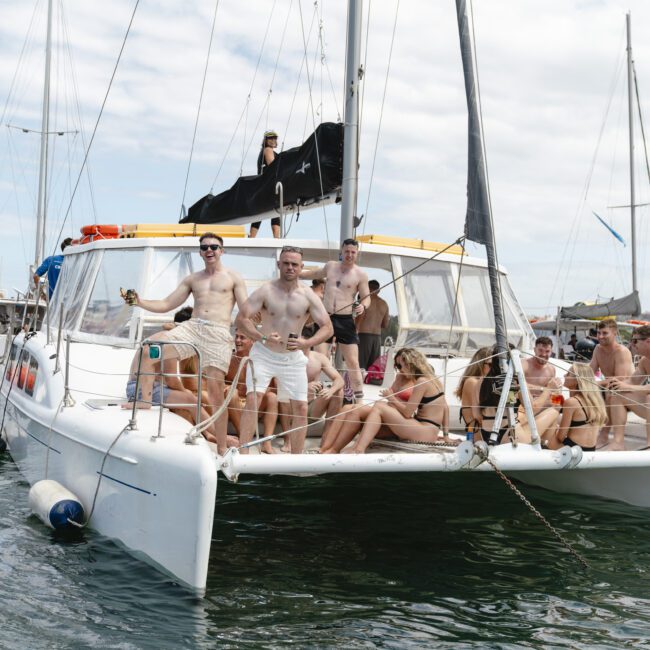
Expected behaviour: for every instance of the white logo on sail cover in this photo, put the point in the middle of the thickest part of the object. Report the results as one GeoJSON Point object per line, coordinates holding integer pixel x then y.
{"type": "Point", "coordinates": [305, 167]}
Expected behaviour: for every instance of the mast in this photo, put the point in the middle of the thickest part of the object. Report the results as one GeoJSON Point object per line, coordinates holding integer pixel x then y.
{"type": "Point", "coordinates": [349, 188]}
{"type": "Point", "coordinates": [45, 127]}
{"type": "Point", "coordinates": [630, 82]}
{"type": "Point", "coordinates": [479, 226]}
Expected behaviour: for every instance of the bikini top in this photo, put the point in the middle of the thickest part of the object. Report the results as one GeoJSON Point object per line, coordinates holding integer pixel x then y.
{"type": "Point", "coordinates": [428, 400]}
{"type": "Point", "coordinates": [579, 423]}
{"type": "Point", "coordinates": [404, 395]}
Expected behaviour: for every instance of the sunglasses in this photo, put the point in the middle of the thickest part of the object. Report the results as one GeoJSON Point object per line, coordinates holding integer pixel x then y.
{"type": "Point", "coordinates": [212, 247]}
{"type": "Point", "coordinates": [635, 341]}
{"type": "Point", "coordinates": [398, 365]}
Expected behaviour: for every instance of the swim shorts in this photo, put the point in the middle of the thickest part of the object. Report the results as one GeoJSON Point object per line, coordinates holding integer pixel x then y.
{"type": "Point", "coordinates": [344, 329]}
{"type": "Point", "coordinates": [288, 368]}
{"type": "Point", "coordinates": [214, 341]}
{"type": "Point", "coordinates": [155, 393]}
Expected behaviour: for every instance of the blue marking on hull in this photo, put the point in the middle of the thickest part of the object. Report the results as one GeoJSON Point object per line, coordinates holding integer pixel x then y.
{"type": "Point", "coordinates": [134, 487]}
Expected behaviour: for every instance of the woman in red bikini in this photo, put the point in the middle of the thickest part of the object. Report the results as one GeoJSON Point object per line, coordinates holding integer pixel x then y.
{"type": "Point", "coordinates": [424, 417]}
{"type": "Point", "coordinates": [349, 421]}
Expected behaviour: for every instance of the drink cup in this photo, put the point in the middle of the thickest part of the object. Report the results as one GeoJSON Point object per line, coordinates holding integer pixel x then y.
{"type": "Point", "coordinates": [557, 399]}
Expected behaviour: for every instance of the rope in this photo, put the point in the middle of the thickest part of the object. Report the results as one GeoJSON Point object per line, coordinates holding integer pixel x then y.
{"type": "Point", "coordinates": [198, 110]}
{"type": "Point", "coordinates": [99, 117]}
{"type": "Point", "coordinates": [381, 115]}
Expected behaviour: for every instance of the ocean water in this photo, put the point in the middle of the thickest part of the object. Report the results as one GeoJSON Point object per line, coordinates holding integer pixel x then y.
{"type": "Point", "coordinates": [401, 561]}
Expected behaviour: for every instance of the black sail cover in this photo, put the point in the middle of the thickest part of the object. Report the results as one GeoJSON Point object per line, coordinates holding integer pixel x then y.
{"type": "Point", "coordinates": [478, 226]}
{"type": "Point", "coordinates": [629, 305]}
{"type": "Point", "coordinates": [307, 173]}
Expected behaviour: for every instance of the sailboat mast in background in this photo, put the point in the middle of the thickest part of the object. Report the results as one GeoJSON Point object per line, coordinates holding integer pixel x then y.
{"type": "Point", "coordinates": [630, 82]}
{"type": "Point", "coordinates": [349, 188]}
{"type": "Point", "coordinates": [45, 127]}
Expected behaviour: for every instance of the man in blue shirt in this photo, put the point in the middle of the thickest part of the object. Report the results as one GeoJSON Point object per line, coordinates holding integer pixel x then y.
{"type": "Point", "coordinates": [52, 266]}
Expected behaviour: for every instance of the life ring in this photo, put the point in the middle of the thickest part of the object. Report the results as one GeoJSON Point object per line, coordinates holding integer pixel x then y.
{"type": "Point", "coordinates": [105, 231]}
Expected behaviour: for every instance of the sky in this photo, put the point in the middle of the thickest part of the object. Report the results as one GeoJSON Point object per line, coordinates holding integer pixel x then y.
{"type": "Point", "coordinates": [553, 91]}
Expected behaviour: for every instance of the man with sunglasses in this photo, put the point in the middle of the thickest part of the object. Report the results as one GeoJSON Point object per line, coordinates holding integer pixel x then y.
{"type": "Point", "coordinates": [615, 362]}
{"type": "Point", "coordinates": [344, 280]}
{"type": "Point", "coordinates": [284, 304]}
{"type": "Point", "coordinates": [216, 289]}
{"type": "Point", "coordinates": [633, 395]}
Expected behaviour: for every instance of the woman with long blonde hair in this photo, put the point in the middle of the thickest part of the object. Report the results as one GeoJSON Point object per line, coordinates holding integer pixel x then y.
{"type": "Point", "coordinates": [468, 391]}
{"type": "Point", "coordinates": [583, 413]}
{"type": "Point", "coordinates": [342, 429]}
{"type": "Point", "coordinates": [423, 418]}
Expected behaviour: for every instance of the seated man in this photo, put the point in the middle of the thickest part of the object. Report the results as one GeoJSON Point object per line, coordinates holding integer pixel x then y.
{"type": "Point", "coordinates": [614, 361]}
{"type": "Point", "coordinates": [633, 395]}
{"type": "Point", "coordinates": [175, 397]}
{"type": "Point", "coordinates": [321, 400]}
{"type": "Point", "coordinates": [268, 407]}
{"type": "Point", "coordinates": [537, 370]}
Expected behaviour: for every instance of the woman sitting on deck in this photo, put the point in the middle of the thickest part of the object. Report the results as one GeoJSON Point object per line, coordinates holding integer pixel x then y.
{"type": "Point", "coordinates": [489, 396]}
{"type": "Point", "coordinates": [468, 392]}
{"type": "Point", "coordinates": [582, 414]}
{"type": "Point", "coordinates": [349, 421]}
{"type": "Point", "coordinates": [423, 418]}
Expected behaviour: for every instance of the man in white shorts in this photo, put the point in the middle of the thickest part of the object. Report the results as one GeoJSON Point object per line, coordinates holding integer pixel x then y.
{"type": "Point", "coordinates": [284, 304]}
{"type": "Point", "coordinates": [215, 291]}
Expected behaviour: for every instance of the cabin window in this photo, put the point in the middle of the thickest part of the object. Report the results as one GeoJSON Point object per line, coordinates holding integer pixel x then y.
{"type": "Point", "coordinates": [475, 288]}
{"type": "Point", "coordinates": [255, 265]}
{"type": "Point", "coordinates": [32, 373]}
{"type": "Point", "coordinates": [72, 288]}
{"type": "Point", "coordinates": [429, 292]}
{"type": "Point", "coordinates": [24, 369]}
{"type": "Point", "coordinates": [106, 313]}
{"type": "Point", "coordinates": [168, 268]}
{"type": "Point", "coordinates": [11, 366]}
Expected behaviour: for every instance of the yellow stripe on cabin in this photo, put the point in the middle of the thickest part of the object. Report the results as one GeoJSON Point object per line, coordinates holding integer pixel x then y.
{"type": "Point", "coordinates": [407, 242]}
{"type": "Point", "coordinates": [181, 230]}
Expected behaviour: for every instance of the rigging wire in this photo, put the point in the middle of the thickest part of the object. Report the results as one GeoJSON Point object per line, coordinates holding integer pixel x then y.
{"type": "Point", "coordinates": [311, 104]}
{"type": "Point", "coordinates": [27, 41]}
{"type": "Point", "coordinates": [381, 115]}
{"type": "Point", "coordinates": [499, 296]}
{"type": "Point", "coordinates": [99, 117]}
{"type": "Point", "coordinates": [244, 109]}
{"type": "Point", "coordinates": [571, 240]}
{"type": "Point", "coordinates": [266, 107]}
{"type": "Point", "coordinates": [198, 110]}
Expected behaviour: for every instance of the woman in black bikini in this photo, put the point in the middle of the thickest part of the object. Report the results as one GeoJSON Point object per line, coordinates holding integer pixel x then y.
{"type": "Point", "coordinates": [423, 418]}
{"type": "Point", "coordinates": [468, 392]}
{"type": "Point", "coordinates": [582, 414]}
{"type": "Point", "coordinates": [349, 421]}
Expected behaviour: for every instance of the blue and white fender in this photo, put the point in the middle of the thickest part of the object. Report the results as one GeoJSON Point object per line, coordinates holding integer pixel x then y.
{"type": "Point", "coordinates": [55, 506]}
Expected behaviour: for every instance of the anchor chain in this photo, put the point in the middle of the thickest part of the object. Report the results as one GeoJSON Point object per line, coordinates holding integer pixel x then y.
{"type": "Point", "coordinates": [554, 531]}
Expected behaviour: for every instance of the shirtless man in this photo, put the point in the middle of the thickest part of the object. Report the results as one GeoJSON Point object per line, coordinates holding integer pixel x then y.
{"type": "Point", "coordinates": [215, 291]}
{"type": "Point", "coordinates": [285, 304]}
{"type": "Point", "coordinates": [369, 326]}
{"type": "Point", "coordinates": [344, 281]}
{"type": "Point", "coordinates": [269, 403]}
{"type": "Point", "coordinates": [633, 395]}
{"type": "Point", "coordinates": [537, 370]}
{"type": "Point", "coordinates": [615, 362]}
{"type": "Point", "coordinates": [321, 400]}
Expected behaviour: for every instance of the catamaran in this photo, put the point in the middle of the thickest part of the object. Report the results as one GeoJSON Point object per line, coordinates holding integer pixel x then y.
{"type": "Point", "coordinates": [148, 479]}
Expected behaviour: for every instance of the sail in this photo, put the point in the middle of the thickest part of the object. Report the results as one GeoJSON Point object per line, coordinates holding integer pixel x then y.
{"type": "Point", "coordinates": [478, 226]}
{"type": "Point", "coordinates": [629, 305]}
{"type": "Point", "coordinates": [309, 174]}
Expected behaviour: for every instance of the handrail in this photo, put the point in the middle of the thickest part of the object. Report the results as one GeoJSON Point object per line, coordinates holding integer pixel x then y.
{"type": "Point", "coordinates": [132, 425]}
{"type": "Point", "coordinates": [196, 430]}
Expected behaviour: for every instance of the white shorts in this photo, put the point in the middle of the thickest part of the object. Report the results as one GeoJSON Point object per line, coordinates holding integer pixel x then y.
{"type": "Point", "coordinates": [288, 368]}
{"type": "Point", "coordinates": [214, 341]}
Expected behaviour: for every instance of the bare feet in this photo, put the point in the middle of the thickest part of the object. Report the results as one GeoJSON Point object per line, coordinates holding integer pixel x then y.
{"type": "Point", "coordinates": [603, 439]}
{"type": "Point", "coordinates": [138, 405]}
{"type": "Point", "coordinates": [352, 450]}
{"type": "Point", "coordinates": [232, 441]}
{"type": "Point", "coordinates": [267, 448]}
{"type": "Point", "coordinates": [613, 446]}
{"type": "Point", "coordinates": [286, 447]}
